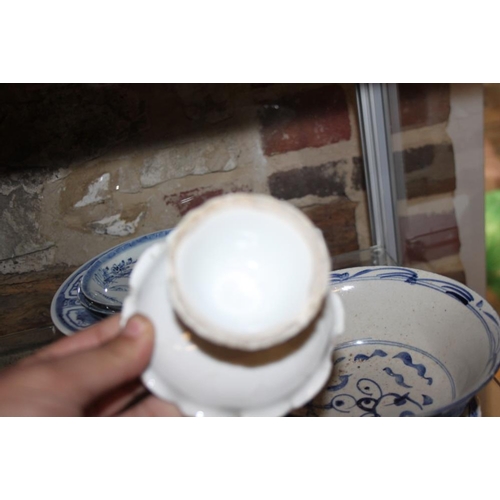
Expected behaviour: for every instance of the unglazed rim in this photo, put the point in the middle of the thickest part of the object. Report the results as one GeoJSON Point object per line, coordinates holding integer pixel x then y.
{"type": "Point", "coordinates": [271, 336]}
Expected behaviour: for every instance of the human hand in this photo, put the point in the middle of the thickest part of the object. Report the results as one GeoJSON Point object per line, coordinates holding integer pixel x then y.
{"type": "Point", "coordinates": [93, 373]}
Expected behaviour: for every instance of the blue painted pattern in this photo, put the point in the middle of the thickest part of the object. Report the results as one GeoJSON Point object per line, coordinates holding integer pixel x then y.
{"type": "Point", "coordinates": [409, 387]}
{"type": "Point", "coordinates": [450, 288]}
{"type": "Point", "coordinates": [421, 369]}
{"type": "Point", "coordinates": [376, 352]}
{"type": "Point", "coordinates": [67, 312]}
{"type": "Point", "coordinates": [400, 380]}
{"type": "Point", "coordinates": [376, 394]}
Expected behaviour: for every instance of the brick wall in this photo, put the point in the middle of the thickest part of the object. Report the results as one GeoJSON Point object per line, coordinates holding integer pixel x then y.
{"type": "Point", "coordinates": [424, 152]}
{"type": "Point", "coordinates": [84, 167]}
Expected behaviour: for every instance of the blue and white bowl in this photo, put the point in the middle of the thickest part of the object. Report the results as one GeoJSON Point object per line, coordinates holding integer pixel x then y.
{"type": "Point", "coordinates": [415, 344]}
{"type": "Point", "coordinates": [70, 308]}
{"type": "Point", "coordinates": [106, 282]}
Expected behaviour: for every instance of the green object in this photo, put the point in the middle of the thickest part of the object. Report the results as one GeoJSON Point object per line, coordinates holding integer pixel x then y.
{"type": "Point", "coordinates": [492, 230]}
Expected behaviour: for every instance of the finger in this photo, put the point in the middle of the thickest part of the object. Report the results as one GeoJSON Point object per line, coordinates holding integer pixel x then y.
{"type": "Point", "coordinates": [151, 406]}
{"type": "Point", "coordinates": [117, 401]}
{"type": "Point", "coordinates": [83, 377]}
{"type": "Point", "coordinates": [91, 337]}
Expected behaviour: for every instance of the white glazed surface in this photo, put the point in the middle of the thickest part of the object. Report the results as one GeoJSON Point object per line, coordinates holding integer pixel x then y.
{"type": "Point", "coordinates": [253, 274]}
{"type": "Point", "coordinates": [202, 384]}
{"type": "Point", "coordinates": [415, 343]}
{"type": "Point", "coordinates": [247, 271]}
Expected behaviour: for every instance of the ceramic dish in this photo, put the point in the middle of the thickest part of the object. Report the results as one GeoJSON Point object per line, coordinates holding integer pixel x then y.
{"type": "Point", "coordinates": [260, 278]}
{"type": "Point", "coordinates": [415, 344]}
{"type": "Point", "coordinates": [206, 379]}
{"type": "Point", "coordinates": [100, 310]}
{"type": "Point", "coordinates": [453, 308]}
{"type": "Point", "coordinates": [473, 409]}
{"type": "Point", "coordinates": [106, 280]}
{"type": "Point", "coordinates": [67, 312]}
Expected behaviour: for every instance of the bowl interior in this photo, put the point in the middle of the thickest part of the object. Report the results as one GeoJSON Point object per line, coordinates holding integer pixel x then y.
{"type": "Point", "coordinates": [245, 270]}
{"type": "Point", "coordinates": [415, 344]}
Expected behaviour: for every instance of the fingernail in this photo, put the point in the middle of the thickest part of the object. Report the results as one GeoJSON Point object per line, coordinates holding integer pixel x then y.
{"type": "Point", "coordinates": [135, 327]}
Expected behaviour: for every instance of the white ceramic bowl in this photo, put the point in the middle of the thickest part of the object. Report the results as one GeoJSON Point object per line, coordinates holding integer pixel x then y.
{"type": "Point", "coordinates": [205, 379]}
{"type": "Point", "coordinates": [238, 294]}
{"type": "Point", "coordinates": [247, 271]}
{"type": "Point", "coordinates": [415, 343]}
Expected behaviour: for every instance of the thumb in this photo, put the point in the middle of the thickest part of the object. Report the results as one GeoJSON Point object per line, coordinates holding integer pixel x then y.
{"type": "Point", "coordinates": [83, 377]}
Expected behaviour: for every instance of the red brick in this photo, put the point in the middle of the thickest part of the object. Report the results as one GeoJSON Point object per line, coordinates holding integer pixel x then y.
{"type": "Point", "coordinates": [429, 237]}
{"type": "Point", "coordinates": [428, 170]}
{"type": "Point", "coordinates": [423, 104]}
{"type": "Point", "coordinates": [308, 119]}
{"type": "Point", "coordinates": [337, 221]}
{"type": "Point", "coordinates": [322, 180]}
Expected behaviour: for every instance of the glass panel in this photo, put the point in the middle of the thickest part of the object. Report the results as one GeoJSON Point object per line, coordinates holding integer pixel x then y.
{"type": "Point", "coordinates": [437, 153]}
{"type": "Point", "coordinates": [379, 169]}
{"type": "Point", "coordinates": [85, 167]}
